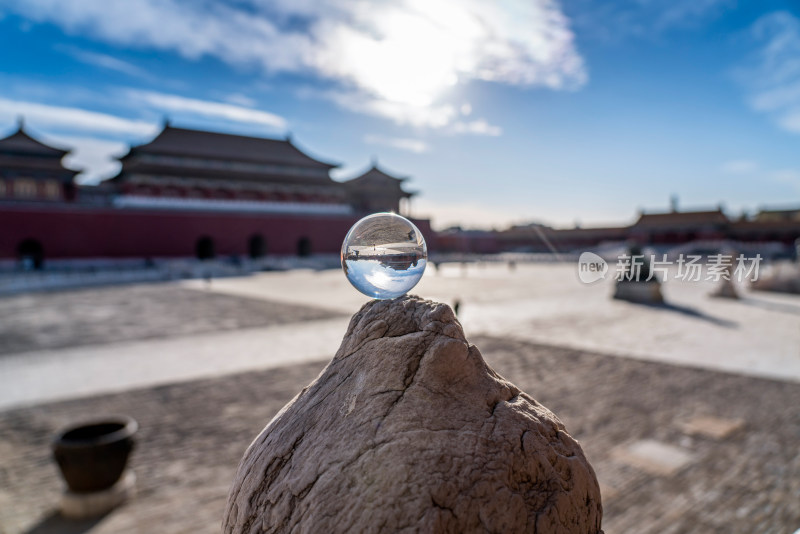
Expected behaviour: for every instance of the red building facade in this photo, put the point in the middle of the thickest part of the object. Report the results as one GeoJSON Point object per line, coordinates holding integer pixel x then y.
{"type": "Point", "coordinates": [186, 193]}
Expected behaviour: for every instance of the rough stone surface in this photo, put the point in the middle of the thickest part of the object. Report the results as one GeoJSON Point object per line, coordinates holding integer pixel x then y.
{"type": "Point", "coordinates": [408, 429]}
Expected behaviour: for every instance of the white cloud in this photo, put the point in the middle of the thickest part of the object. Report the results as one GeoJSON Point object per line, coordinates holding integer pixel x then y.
{"type": "Point", "coordinates": [772, 73]}
{"type": "Point", "coordinates": [221, 110]}
{"type": "Point", "coordinates": [106, 62]}
{"type": "Point", "coordinates": [739, 166]}
{"type": "Point", "coordinates": [689, 12]}
{"type": "Point", "coordinates": [477, 127]}
{"type": "Point", "coordinates": [71, 118]}
{"type": "Point", "coordinates": [407, 144]}
{"type": "Point", "coordinates": [241, 100]}
{"type": "Point", "coordinates": [95, 157]}
{"type": "Point", "coordinates": [399, 60]}
{"type": "Point", "coordinates": [437, 116]}
{"type": "Point", "coordinates": [643, 19]}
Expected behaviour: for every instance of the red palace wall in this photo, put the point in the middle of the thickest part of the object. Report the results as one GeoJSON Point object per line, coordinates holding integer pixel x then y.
{"type": "Point", "coordinates": [84, 232]}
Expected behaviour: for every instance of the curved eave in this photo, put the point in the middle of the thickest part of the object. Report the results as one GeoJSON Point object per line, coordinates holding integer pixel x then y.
{"type": "Point", "coordinates": [320, 162]}
{"type": "Point", "coordinates": [23, 144]}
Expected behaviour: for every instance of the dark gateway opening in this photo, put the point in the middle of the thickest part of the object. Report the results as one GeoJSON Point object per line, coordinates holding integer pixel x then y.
{"type": "Point", "coordinates": [204, 248]}
{"type": "Point", "coordinates": [256, 246]}
{"type": "Point", "coordinates": [31, 254]}
{"type": "Point", "coordinates": [304, 247]}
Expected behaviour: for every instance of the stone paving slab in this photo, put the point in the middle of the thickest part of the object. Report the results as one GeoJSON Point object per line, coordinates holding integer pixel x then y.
{"type": "Point", "coordinates": [653, 456]}
{"type": "Point", "coordinates": [193, 435]}
{"type": "Point", "coordinates": [713, 427]}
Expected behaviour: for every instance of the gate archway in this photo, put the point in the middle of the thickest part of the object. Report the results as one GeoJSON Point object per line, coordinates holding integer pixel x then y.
{"type": "Point", "coordinates": [31, 254]}
{"type": "Point", "coordinates": [204, 248]}
{"type": "Point", "coordinates": [256, 246]}
{"type": "Point", "coordinates": [304, 247]}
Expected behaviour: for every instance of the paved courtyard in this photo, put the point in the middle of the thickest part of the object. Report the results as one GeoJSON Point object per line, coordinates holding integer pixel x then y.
{"type": "Point", "coordinates": [758, 335]}
{"type": "Point", "coordinates": [74, 343]}
{"type": "Point", "coordinates": [688, 411]}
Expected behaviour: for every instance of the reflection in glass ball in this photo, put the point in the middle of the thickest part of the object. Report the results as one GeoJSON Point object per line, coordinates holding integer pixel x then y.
{"type": "Point", "coordinates": [384, 255]}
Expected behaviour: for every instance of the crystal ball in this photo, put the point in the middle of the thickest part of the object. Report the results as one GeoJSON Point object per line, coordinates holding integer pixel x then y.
{"type": "Point", "coordinates": [384, 255]}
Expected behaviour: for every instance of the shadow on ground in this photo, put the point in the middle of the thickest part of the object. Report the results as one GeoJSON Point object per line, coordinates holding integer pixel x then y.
{"type": "Point", "coordinates": [772, 306]}
{"type": "Point", "coordinates": [55, 523]}
{"type": "Point", "coordinates": [689, 312]}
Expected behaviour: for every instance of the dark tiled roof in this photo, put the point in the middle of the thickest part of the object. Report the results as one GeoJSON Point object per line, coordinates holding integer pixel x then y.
{"type": "Point", "coordinates": [712, 217]}
{"type": "Point", "coordinates": [766, 225]}
{"type": "Point", "coordinates": [34, 163]}
{"type": "Point", "coordinates": [215, 145]}
{"type": "Point", "coordinates": [161, 171]}
{"type": "Point", "coordinates": [21, 143]}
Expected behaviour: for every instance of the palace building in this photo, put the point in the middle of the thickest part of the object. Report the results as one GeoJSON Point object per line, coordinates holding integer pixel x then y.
{"type": "Point", "coordinates": [192, 169]}
{"type": "Point", "coordinates": [32, 171]}
{"type": "Point", "coordinates": [376, 191]}
{"type": "Point", "coordinates": [185, 193]}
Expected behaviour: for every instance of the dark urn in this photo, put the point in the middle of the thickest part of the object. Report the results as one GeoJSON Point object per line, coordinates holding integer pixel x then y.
{"type": "Point", "coordinates": [92, 455]}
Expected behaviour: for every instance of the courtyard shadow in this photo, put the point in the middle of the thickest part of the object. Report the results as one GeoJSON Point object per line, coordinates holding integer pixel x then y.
{"type": "Point", "coordinates": [55, 523]}
{"type": "Point", "coordinates": [771, 306]}
{"type": "Point", "coordinates": [691, 312]}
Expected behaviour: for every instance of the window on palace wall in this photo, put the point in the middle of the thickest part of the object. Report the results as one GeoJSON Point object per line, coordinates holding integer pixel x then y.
{"type": "Point", "coordinates": [24, 187]}
{"type": "Point", "coordinates": [52, 189]}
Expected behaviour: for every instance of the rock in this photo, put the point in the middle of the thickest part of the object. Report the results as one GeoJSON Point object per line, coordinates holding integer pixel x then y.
{"type": "Point", "coordinates": [726, 290]}
{"type": "Point", "coordinates": [639, 292]}
{"type": "Point", "coordinates": [409, 429]}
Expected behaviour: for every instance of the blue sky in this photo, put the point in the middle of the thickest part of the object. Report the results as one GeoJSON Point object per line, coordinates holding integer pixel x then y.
{"type": "Point", "coordinates": [500, 112]}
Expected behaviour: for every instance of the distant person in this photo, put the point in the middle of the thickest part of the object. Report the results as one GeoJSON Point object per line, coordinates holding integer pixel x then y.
{"type": "Point", "coordinates": [456, 306]}
{"type": "Point", "coordinates": [512, 265]}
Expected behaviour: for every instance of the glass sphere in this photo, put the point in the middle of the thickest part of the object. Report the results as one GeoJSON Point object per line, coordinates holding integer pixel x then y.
{"type": "Point", "coordinates": [384, 255]}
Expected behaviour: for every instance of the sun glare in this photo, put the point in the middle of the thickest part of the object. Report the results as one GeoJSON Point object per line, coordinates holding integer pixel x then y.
{"type": "Point", "coordinates": [413, 56]}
